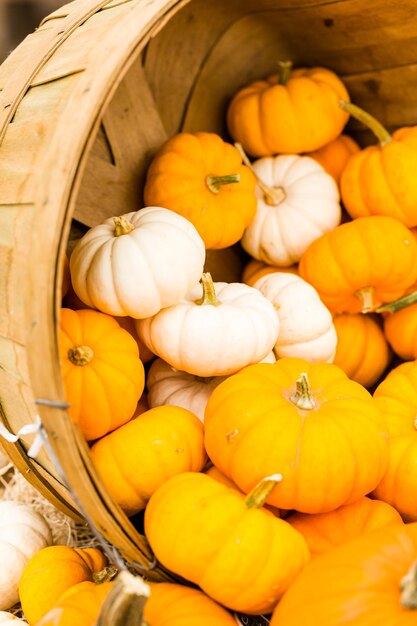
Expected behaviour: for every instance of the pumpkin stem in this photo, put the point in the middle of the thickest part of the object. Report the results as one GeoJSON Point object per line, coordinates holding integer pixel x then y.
{"type": "Point", "coordinates": [125, 602]}
{"type": "Point", "coordinates": [80, 355]}
{"type": "Point", "coordinates": [215, 183]}
{"type": "Point", "coordinates": [209, 292]}
{"type": "Point", "coordinates": [284, 71]}
{"type": "Point", "coordinates": [302, 397]}
{"type": "Point", "coordinates": [408, 588]}
{"type": "Point", "coordinates": [257, 497]}
{"type": "Point", "coordinates": [122, 226]}
{"type": "Point", "coordinates": [105, 575]}
{"type": "Point", "coordinates": [366, 296]}
{"type": "Point", "coordinates": [369, 120]}
{"type": "Point", "coordinates": [273, 196]}
{"type": "Point", "coordinates": [397, 305]}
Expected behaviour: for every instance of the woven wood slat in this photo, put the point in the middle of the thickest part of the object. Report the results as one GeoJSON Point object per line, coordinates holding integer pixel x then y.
{"type": "Point", "coordinates": [21, 154]}
{"type": "Point", "coordinates": [45, 101]}
{"type": "Point", "coordinates": [14, 230]}
{"type": "Point", "coordinates": [173, 62]}
{"type": "Point", "coordinates": [46, 44]}
{"type": "Point", "coordinates": [129, 153]}
{"type": "Point", "coordinates": [74, 54]}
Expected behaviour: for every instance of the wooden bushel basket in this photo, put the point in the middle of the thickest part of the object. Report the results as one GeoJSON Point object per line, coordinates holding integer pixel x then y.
{"type": "Point", "coordinates": [85, 101]}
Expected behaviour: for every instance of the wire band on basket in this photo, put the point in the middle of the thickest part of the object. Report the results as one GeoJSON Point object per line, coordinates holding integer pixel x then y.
{"type": "Point", "coordinates": [41, 440]}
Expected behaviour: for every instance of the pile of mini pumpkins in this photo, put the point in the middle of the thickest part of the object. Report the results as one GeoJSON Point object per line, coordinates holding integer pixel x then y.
{"type": "Point", "coordinates": [58, 585]}
{"type": "Point", "coordinates": [264, 457]}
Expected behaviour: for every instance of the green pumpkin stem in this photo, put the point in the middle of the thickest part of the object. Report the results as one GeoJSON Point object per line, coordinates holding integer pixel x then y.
{"type": "Point", "coordinates": [80, 355]}
{"type": "Point", "coordinates": [125, 603]}
{"type": "Point", "coordinates": [408, 588]}
{"type": "Point", "coordinates": [215, 183]}
{"type": "Point", "coordinates": [366, 296]}
{"type": "Point", "coordinates": [302, 397]}
{"type": "Point", "coordinates": [209, 292]}
{"type": "Point", "coordinates": [105, 575]}
{"type": "Point", "coordinates": [397, 305]}
{"type": "Point", "coordinates": [122, 226]}
{"type": "Point", "coordinates": [284, 71]}
{"type": "Point", "coordinates": [257, 497]}
{"type": "Point", "coordinates": [369, 120]}
{"type": "Point", "coordinates": [273, 196]}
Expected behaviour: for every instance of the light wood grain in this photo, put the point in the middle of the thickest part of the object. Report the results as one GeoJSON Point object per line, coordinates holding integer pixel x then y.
{"type": "Point", "coordinates": [115, 186]}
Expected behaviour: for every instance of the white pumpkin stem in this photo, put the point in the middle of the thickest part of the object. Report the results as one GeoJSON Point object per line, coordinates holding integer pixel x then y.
{"type": "Point", "coordinates": [273, 196]}
{"type": "Point", "coordinates": [125, 602]}
{"type": "Point", "coordinates": [80, 355]}
{"type": "Point", "coordinates": [105, 575]}
{"type": "Point", "coordinates": [397, 305]}
{"type": "Point", "coordinates": [284, 71]}
{"type": "Point", "coordinates": [257, 497]}
{"type": "Point", "coordinates": [215, 183]}
{"type": "Point", "coordinates": [408, 588]}
{"type": "Point", "coordinates": [366, 296]}
{"type": "Point", "coordinates": [209, 292]}
{"type": "Point", "coordinates": [302, 397]}
{"type": "Point", "coordinates": [368, 120]}
{"type": "Point", "coordinates": [122, 226]}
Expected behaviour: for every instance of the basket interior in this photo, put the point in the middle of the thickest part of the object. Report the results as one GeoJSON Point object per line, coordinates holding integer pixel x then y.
{"type": "Point", "coordinates": [187, 73]}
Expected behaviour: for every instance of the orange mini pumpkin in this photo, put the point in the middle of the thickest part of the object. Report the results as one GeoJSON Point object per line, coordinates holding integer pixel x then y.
{"type": "Point", "coordinates": [362, 351]}
{"type": "Point", "coordinates": [400, 328]}
{"type": "Point", "coordinates": [136, 458]}
{"type": "Point", "coordinates": [103, 374]}
{"type": "Point", "coordinates": [50, 572]}
{"type": "Point", "coordinates": [241, 555]}
{"type": "Point", "coordinates": [290, 112]}
{"type": "Point", "coordinates": [335, 155]}
{"type": "Point", "coordinates": [323, 432]}
{"type": "Point", "coordinates": [215, 473]}
{"type": "Point", "coordinates": [134, 602]}
{"type": "Point", "coordinates": [73, 302]}
{"type": "Point", "coordinates": [325, 531]}
{"type": "Point", "coordinates": [396, 396]}
{"type": "Point", "coordinates": [361, 264]}
{"type": "Point", "coordinates": [78, 606]}
{"type": "Point", "coordinates": [367, 581]}
{"type": "Point", "coordinates": [179, 605]}
{"type": "Point", "coordinates": [380, 179]}
{"type": "Point", "coordinates": [202, 178]}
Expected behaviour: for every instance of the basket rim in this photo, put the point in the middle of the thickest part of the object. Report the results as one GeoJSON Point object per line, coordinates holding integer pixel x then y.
{"type": "Point", "coordinates": [58, 179]}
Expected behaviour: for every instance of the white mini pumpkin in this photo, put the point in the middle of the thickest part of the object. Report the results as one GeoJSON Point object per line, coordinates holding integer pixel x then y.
{"type": "Point", "coordinates": [306, 328]}
{"type": "Point", "coordinates": [138, 263]}
{"type": "Point", "coordinates": [23, 532]}
{"type": "Point", "coordinates": [7, 618]}
{"type": "Point", "coordinates": [167, 385]}
{"type": "Point", "coordinates": [232, 325]}
{"type": "Point", "coordinates": [298, 201]}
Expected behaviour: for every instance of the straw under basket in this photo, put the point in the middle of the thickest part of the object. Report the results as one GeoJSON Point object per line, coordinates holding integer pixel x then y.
{"type": "Point", "coordinates": [85, 101]}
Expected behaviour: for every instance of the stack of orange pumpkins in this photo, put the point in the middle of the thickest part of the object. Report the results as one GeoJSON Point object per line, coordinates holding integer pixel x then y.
{"type": "Point", "coordinates": [264, 457]}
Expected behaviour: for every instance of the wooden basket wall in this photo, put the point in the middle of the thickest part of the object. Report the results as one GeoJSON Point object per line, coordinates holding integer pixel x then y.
{"type": "Point", "coordinates": [85, 101]}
